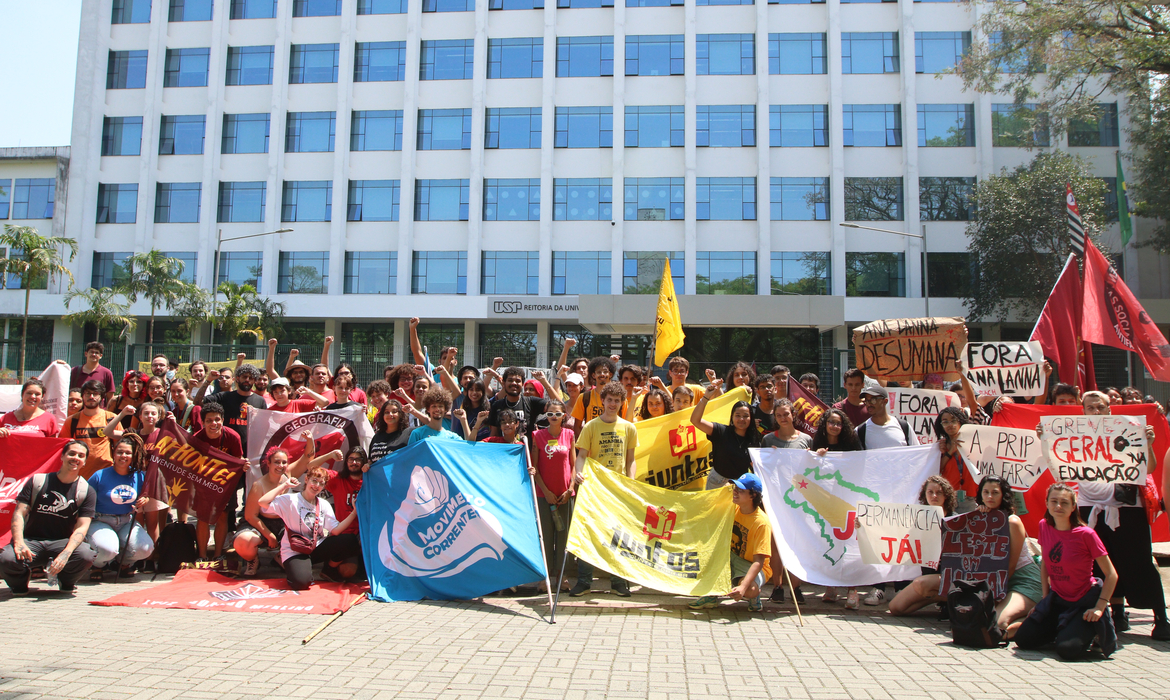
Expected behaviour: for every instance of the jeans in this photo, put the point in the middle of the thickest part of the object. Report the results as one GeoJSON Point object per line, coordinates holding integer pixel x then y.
{"type": "Point", "coordinates": [299, 567]}
{"type": "Point", "coordinates": [17, 573]}
{"type": "Point", "coordinates": [107, 533]}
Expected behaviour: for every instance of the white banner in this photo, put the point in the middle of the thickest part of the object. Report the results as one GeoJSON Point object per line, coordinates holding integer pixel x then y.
{"type": "Point", "coordinates": [920, 407]}
{"type": "Point", "coordinates": [907, 534]}
{"type": "Point", "coordinates": [338, 429]}
{"type": "Point", "coordinates": [1096, 449]}
{"type": "Point", "coordinates": [56, 397]}
{"type": "Point", "coordinates": [812, 504]}
{"type": "Point", "coordinates": [1012, 453]}
{"type": "Point", "coordinates": [1005, 369]}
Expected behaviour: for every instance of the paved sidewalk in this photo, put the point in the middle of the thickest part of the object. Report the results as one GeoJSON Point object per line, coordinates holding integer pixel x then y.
{"type": "Point", "coordinates": [647, 646]}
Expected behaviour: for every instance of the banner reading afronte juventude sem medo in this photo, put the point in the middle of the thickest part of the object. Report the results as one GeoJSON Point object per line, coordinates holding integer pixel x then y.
{"type": "Point", "coordinates": [187, 474]}
{"type": "Point", "coordinates": [671, 541]}
{"type": "Point", "coordinates": [812, 504]}
{"type": "Point", "coordinates": [449, 520]}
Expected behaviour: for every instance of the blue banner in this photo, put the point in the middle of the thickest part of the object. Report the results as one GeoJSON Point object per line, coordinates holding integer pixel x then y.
{"type": "Point", "coordinates": [449, 520]}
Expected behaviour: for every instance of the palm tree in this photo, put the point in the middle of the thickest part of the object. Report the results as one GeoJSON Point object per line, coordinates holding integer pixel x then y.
{"type": "Point", "coordinates": [155, 277]}
{"type": "Point", "coordinates": [244, 312]}
{"type": "Point", "coordinates": [35, 258]}
{"type": "Point", "coordinates": [104, 310]}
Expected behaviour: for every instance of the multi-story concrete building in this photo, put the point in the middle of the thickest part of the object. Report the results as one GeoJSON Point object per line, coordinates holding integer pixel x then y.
{"type": "Point", "coordinates": [513, 171]}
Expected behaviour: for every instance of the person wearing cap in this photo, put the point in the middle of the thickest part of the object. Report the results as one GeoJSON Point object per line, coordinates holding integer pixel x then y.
{"type": "Point", "coordinates": [751, 538]}
{"type": "Point", "coordinates": [574, 384]}
{"type": "Point", "coordinates": [281, 392]}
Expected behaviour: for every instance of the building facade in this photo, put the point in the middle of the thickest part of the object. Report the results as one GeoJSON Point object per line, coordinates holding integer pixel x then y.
{"type": "Point", "coordinates": [514, 171]}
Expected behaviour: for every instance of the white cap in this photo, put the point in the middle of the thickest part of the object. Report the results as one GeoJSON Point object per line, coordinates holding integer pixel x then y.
{"type": "Point", "coordinates": [575, 378]}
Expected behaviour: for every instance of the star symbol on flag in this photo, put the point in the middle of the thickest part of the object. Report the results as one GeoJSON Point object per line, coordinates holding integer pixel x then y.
{"type": "Point", "coordinates": [803, 484]}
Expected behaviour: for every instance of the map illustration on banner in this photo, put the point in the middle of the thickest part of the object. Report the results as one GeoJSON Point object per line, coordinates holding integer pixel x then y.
{"type": "Point", "coordinates": [975, 547]}
{"type": "Point", "coordinates": [920, 407]}
{"type": "Point", "coordinates": [908, 349]}
{"type": "Point", "coordinates": [906, 534]}
{"type": "Point", "coordinates": [1012, 453]}
{"type": "Point", "coordinates": [1005, 369]}
{"type": "Point", "coordinates": [1096, 449]}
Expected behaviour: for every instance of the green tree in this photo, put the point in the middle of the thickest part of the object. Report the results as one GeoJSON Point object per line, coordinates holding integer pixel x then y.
{"type": "Point", "coordinates": [105, 311]}
{"type": "Point", "coordinates": [243, 312]}
{"type": "Point", "coordinates": [34, 258]}
{"type": "Point", "coordinates": [154, 276]}
{"type": "Point", "coordinates": [1021, 240]}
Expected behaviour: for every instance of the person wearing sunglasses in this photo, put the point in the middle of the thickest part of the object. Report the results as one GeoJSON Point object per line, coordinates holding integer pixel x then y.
{"type": "Point", "coordinates": [551, 466]}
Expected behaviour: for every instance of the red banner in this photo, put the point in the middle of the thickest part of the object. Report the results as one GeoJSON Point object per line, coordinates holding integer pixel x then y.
{"type": "Point", "coordinates": [1114, 317]}
{"type": "Point", "coordinates": [1027, 416]}
{"type": "Point", "coordinates": [1058, 330]}
{"type": "Point", "coordinates": [198, 589]}
{"type": "Point", "coordinates": [21, 456]}
{"type": "Point", "coordinates": [189, 475]}
{"type": "Point", "coordinates": [807, 407]}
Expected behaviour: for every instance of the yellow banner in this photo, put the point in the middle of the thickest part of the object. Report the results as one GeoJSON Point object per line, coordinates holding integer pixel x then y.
{"type": "Point", "coordinates": [672, 453]}
{"type": "Point", "coordinates": [668, 330]}
{"type": "Point", "coordinates": [672, 542]}
{"type": "Point", "coordinates": [184, 370]}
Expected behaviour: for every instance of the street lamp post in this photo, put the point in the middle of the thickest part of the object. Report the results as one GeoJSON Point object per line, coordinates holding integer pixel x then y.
{"type": "Point", "coordinates": [925, 255]}
{"type": "Point", "coordinates": [219, 240]}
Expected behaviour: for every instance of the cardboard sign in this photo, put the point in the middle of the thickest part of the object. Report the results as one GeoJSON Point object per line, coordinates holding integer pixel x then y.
{"type": "Point", "coordinates": [1012, 453]}
{"type": "Point", "coordinates": [899, 533]}
{"type": "Point", "coordinates": [1096, 449]}
{"type": "Point", "coordinates": [1005, 369]}
{"type": "Point", "coordinates": [908, 349]}
{"type": "Point", "coordinates": [976, 547]}
{"type": "Point", "coordinates": [920, 407]}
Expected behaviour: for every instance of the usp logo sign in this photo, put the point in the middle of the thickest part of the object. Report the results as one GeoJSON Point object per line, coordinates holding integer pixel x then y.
{"type": "Point", "coordinates": [659, 522]}
{"type": "Point", "coordinates": [683, 439]}
{"type": "Point", "coordinates": [508, 307]}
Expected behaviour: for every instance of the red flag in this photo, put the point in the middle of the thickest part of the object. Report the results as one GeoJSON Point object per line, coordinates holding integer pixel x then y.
{"type": "Point", "coordinates": [21, 457]}
{"type": "Point", "coordinates": [1114, 317]}
{"type": "Point", "coordinates": [196, 589]}
{"type": "Point", "coordinates": [807, 407]}
{"type": "Point", "coordinates": [1058, 329]}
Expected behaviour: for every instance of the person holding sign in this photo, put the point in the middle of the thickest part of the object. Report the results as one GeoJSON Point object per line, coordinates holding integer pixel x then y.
{"type": "Point", "coordinates": [729, 443]}
{"type": "Point", "coordinates": [936, 491]}
{"type": "Point", "coordinates": [1023, 576]}
{"type": "Point", "coordinates": [946, 427]}
{"type": "Point", "coordinates": [1072, 611]}
{"type": "Point", "coordinates": [1125, 533]}
{"type": "Point", "coordinates": [835, 434]}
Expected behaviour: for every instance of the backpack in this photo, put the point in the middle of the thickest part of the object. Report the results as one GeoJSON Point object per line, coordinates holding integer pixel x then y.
{"type": "Point", "coordinates": [176, 546]}
{"type": "Point", "coordinates": [38, 485]}
{"type": "Point", "coordinates": [972, 612]}
{"type": "Point", "coordinates": [901, 421]}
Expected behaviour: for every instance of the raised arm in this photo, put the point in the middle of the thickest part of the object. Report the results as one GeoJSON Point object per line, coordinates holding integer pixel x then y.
{"type": "Point", "coordinates": [415, 345]}
{"type": "Point", "coordinates": [201, 391]}
{"type": "Point", "coordinates": [568, 345]}
{"type": "Point", "coordinates": [270, 360]}
{"type": "Point", "coordinates": [327, 457]}
{"type": "Point", "coordinates": [1043, 397]}
{"type": "Point", "coordinates": [267, 499]}
{"type": "Point", "coordinates": [325, 350]}
{"type": "Point", "coordinates": [549, 389]}
{"type": "Point", "coordinates": [292, 357]}
{"type": "Point", "coordinates": [448, 381]}
{"type": "Point", "coordinates": [240, 357]}
{"type": "Point", "coordinates": [968, 390]}
{"type": "Point", "coordinates": [701, 405]}
{"type": "Point", "coordinates": [711, 379]}
{"type": "Point", "coordinates": [302, 464]}
{"type": "Point", "coordinates": [304, 390]}
{"type": "Point", "coordinates": [111, 429]}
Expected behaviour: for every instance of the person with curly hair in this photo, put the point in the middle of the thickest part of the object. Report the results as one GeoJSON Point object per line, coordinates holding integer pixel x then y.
{"type": "Point", "coordinates": [656, 403]}
{"type": "Point", "coordinates": [435, 404]}
{"type": "Point", "coordinates": [951, 467]}
{"type": "Point", "coordinates": [936, 491]}
{"type": "Point", "coordinates": [112, 532]}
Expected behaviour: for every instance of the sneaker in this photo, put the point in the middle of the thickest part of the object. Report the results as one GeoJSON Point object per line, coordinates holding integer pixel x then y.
{"type": "Point", "coordinates": [1121, 621]}
{"type": "Point", "coordinates": [875, 597]}
{"type": "Point", "coordinates": [622, 589]}
{"type": "Point", "coordinates": [830, 595]}
{"type": "Point", "coordinates": [853, 601]}
{"type": "Point", "coordinates": [1161, 630]}
{"type": "Point", "coordinates": [705, 603]}
{"type": "Point", "coordinates": [249, 568]}
{"type": "Point", "coordinates": [757, 605]}
{"type": "Point", "coordinates": [799, 594]}
{"type": "Point", "coordinates": [777, 595]}
{"type": "Point", "coordinates": [20, 594]}
{"type": "Point", "coordinates": [580, 589]}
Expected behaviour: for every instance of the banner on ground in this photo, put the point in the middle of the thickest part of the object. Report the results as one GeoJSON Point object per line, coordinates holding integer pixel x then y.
{"type": "Point", "coordinates": [976, 547]}
{"type": "Point", "coordinates": [199, 589]}
{"type": "Point", "coordinates": [21, 456]}
{"type": "Point", "coordinates": [1096, 449]}
{"type": "Point", "coordinates": [187, 474]}
{"type": "Point", "coordinates": [1005, 369]}
{"type": "Point", "coordinates": [908, 349]}
{"type": "Point", "coordinates": [812, 504]}
{"type": "Point", "coordinates": [449, 520]}
{"type": "Point", "coordinates": [1012, 453]}
{"type": "Point", "coordinates": [184, 369]}
{"type": "Point", "coordinates": [920, 407]}
{"type": "Point", "coordinates": [673, 454]}
{"type": "Point", "coordinates": [55, 399]}
{"type": "Point", "coordinates": [906, 534]}
{"type": "Point", "coordinates": [667, 540]}
{"type": "Point", "coordinates": [335, 429]}
{"type": "Point", "coordinates": [807, 407]}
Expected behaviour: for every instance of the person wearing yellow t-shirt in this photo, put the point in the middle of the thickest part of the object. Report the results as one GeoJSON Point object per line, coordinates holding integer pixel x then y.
{"type": "Point", "coordinates": [610, 441]}
{"type": "Point", "coordinates": [751, 545]}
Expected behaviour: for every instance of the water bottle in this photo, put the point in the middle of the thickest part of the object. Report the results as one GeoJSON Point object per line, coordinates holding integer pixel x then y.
{"type": "Point", "coordinates": [50, 578]}
{"type": "Point", "coordinates": [558, 519]}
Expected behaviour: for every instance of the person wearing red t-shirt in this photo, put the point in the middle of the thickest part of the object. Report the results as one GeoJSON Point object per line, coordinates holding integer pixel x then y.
{"type": "Point", "coordinates": [29, 418]}
{"type": "Point", "coordinates": [216, 434]}
{"type": "Point", "coordinates": [280, 390]}
{"type": "Point", "coordinates": [344, 488]}
{"type": "Point", "coordinates": [551, 465]}
{"type": "Point", "coordinates": [852, 404]}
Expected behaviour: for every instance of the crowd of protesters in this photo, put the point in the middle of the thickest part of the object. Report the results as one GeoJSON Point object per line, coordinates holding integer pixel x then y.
{"type": "Point", "coordinates": [82, 517]}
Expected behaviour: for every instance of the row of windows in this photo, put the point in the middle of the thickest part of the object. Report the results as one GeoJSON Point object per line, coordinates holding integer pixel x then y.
{"type": "Point", "coordinates": [579, 56]}
{"type": "Point", "coordinates": [573, 272]}
{"type": "Point", "coordinates": [29, 198]}
{"type": "Point", "coordinates": [138, 11]}
{"type": "Point", "coordinates": [592, 127]}
{"type": "Point", "coordinates": [574, 199]}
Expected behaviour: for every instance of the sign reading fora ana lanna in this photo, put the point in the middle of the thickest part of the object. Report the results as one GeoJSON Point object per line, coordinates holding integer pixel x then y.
{"type": "Point", "coordinates": [1005, 369]}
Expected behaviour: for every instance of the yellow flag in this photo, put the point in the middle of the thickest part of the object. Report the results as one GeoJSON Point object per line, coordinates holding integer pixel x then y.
{"type": "Point", "coordinates": [672, 453]}
{"type": "Point", "coordinates": [668, 332]}
{"type": "Point", "coordinates": [672, 542]}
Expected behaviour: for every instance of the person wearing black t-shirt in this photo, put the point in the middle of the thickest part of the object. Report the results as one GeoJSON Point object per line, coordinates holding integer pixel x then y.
{"type": "Point", "coordinates": [49, 524]}
{"type": "Point", "coordinates": [526, 408]}
{"type": "Point", "coordinates": [236, 405]}
{"type": "Point", "coordinates": [729, 443]}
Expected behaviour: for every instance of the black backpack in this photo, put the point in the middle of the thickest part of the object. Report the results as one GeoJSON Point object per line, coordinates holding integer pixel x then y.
{"type": "Point", "coordinates": [972, 612]}
{"type": "Point", "coordinates": [901, 422]}
{"type": "Point", "coordinates": [176, 545]}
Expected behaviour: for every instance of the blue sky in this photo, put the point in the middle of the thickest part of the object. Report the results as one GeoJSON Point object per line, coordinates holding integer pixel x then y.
{"type": "Point", "coordinates": [38, 52]}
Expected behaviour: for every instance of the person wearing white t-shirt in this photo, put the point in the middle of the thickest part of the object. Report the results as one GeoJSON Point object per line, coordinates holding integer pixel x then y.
{"type": "Point", "coordinates": [881, 431]}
